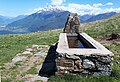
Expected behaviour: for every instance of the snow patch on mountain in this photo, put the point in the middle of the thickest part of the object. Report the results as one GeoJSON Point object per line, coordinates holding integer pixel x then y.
{"type": "Point", "coordinates": [50, 9]}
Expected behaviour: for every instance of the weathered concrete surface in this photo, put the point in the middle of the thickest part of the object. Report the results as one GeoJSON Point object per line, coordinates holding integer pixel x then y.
{"type": "Point", "coordinates": [95, 60]}
{"type": "Point", "coordinates": [63, 46]}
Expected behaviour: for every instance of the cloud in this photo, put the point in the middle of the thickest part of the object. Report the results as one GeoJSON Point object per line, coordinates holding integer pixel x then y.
{"type": "Point", "coordinates": [98, 5]}
{"type": "Point", "coordinates": [57, 2]}
{"type": "Point", "coordinates": [37, 9]}
{"type": "Point", "coordinates": [113, 10]}
{"type": "Point", "coordinates": [50, 7]}
{"type": "Point", "coordinates": [82, 9]}
{"type": "Point", "coordinates": [109, 3]}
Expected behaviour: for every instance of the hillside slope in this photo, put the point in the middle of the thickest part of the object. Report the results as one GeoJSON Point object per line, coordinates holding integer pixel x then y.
{"type": "Point", "coordinates": [103, 27]}
{"type": "Point", "coordinates": [4, 20]}
{"type": "Point", "coordinates": [101, 16]}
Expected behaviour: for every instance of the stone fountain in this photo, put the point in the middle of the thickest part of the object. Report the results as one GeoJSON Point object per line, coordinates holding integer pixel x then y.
{"type": "Point", "coordinates": [78, 53]}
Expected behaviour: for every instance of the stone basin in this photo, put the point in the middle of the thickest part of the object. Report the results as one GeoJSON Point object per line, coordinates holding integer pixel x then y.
{"type": "Point", "coordinates": [70, 43]}
{"type": "Point", "coordinates": [78, 53]}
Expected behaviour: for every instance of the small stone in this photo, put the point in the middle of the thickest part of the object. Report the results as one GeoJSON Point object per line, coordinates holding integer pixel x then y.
{"type": "Point", "coordinates": [43, 46]}
{"type": "Point", "coordinates": [18, 54]}
{"type": "Point", "coordinates": [78, 63]}
{"type": "Point", "coordinates": [29, 49]}
{"type": "Point", "coordinates": [60, 68]}
{"type": "Point", "coordinates": [72, 57]}
{"type": "Point", "coordinates": [27, 53]}
{"type": "Point", "coordinates": [88, 64]}
{"type": "Point", "coordinates": [35, 46]}
{"type": "Point", "coordinates": [41, 54]}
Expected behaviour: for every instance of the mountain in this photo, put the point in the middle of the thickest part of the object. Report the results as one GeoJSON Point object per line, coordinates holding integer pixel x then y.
{"type": "Point", "coordinates": [48, 18]}
{"type": "Point", "coordinates": [100, 16]}
{"type": "Point", "coordinates": [17, 18]}
{"type": "Point", "coordinates": [4, 20]}
{"type": "Point", "coordinates": [4, 17]}
{"type": "Point", "coordinates": [85, 17]}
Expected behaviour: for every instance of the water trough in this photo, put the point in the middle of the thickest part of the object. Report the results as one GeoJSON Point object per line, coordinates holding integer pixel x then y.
{"type": "Point", "coordinates": [81, 54]}
{"type": "Point", "coordinates": [78, 53]}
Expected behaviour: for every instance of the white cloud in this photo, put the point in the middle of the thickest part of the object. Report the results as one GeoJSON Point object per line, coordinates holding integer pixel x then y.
{"type": "Point", "coordinates": [109, 3]}
{"type": "Point", "coordinates": [83, 9]}
{"type": "Point", "coordinates": [57, 2]}
{"type": "Point", "coordinates": [98, 5]}
{"type": "Point", "coordinates": [113, 10]}
{"type": "Point", "coordinates": [50, 7]}
{"type": "Point", "coordinates": [37, 9]}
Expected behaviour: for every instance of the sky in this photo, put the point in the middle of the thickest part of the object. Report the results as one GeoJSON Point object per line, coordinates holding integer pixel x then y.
{"type": "Point", "coordinates": [14, 8]}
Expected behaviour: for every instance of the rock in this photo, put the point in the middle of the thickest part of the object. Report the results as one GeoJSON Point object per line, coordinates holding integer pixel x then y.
{"type": "Point", "coordinates": [102, 73]}
{"type": "Point", "coordinates": [78, 63]}
{"type": "Point", "coordinates": [35, 46]}
{"type": "Point", "coordinates": [72, 57]}
{"type": "Point", "coordinates": [105, 59]}
{"type": "Point", "coordinates": [18, 58]}
{"type": "Point", "coordinates": [65, 62]}
{"type": "Point", "coordinates": [88, 64]}
{"type": "Point", "coordinates": [41, 54]}
{"type": "Point", "coordinates": [103, 67]}
{"type": "Point", "coordinates": [43, 46]}
{"type": "Point", "coordinates": [29, 49]}
{"type": "Point", "coordinates": [27, 53]}
{"type": "Point", "coordinates": [85, 72]}
{"type": "Point", "coordinates": [61, 68]}
{"type": "Point", "coordinates": [18, 54]}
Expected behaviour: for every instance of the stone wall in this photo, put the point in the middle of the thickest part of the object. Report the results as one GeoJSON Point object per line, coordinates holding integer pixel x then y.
{"type": "Point", "coordinates": [95, 64]}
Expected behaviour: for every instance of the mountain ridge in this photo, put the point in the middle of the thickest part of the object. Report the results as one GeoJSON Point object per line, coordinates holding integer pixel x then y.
{"type": "Point", "coordinates": [49, 18]}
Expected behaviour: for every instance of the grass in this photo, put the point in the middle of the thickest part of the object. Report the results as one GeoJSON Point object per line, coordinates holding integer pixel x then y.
{"type": "Point", "coordinates": [32, 70]}
{"type": "Point", "coordinates": [102, 27]}
{"type": "Point", "coordinates": [77, 78]}
{"type": "Point", "coordinates": [10, 45]}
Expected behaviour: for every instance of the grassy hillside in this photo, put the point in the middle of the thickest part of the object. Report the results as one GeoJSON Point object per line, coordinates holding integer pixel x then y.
{"type": "Point", "coordinates": [10, 45]}
{"type": "Point", "coordinates": [103, 27]}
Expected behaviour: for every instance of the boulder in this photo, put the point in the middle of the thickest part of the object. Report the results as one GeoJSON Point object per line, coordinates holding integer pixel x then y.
{"type": "Point", "coordinates": [87, 64]}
